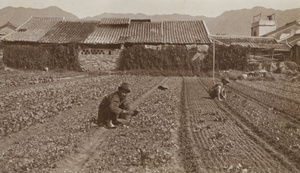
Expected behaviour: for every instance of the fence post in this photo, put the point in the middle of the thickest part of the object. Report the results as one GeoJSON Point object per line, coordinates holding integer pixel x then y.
{"type": "Point", "coordinates": [214, 54]}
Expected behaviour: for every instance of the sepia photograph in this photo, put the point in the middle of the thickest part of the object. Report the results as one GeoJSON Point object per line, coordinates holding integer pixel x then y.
{"type": "Point", "coordinates": [149, 86]}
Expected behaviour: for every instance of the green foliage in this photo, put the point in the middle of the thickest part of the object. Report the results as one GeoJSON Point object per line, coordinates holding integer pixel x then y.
{"type": "Point", "coordinates": [232, 57]}
{"type": "Point", "coordinates": [39, 57]}
{"type": "Point", "coordinates": [169, 58]}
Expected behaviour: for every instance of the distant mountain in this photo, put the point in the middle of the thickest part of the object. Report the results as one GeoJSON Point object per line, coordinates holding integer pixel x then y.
{"type": "Point", "coordinates": [234, 22]}
{"type": "Point", "coordinates": [238, 22]}
{"type": "Point", "coordinates": [18, 16]}
{"type": "Point", "coordinates": [154, 18]}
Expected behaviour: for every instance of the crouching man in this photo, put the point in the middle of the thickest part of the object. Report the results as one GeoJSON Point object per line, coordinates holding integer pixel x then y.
{"type": "Point", "coordinates": [218, 90]}
{"type": "Point", "coordinates": [114, 106]}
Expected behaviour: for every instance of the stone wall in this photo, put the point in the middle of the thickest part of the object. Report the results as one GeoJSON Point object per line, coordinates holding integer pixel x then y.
{"type": "Point", "coordinates": [98, 59]}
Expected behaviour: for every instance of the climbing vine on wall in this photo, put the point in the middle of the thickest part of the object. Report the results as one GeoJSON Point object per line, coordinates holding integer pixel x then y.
{"type": "Point", "coordinates": [226, 57]}
{"type": "Point", "coordinates": [172, 58]}
{"type": "Point", "coordinates": [39, 57]}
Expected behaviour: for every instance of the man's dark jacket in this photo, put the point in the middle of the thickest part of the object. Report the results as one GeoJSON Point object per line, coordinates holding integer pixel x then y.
{"type": "Point", "coordinates": [111, 106]}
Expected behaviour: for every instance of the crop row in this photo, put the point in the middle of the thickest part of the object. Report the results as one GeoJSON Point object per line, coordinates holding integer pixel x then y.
{"type": "Point", "coordinates": [275, 88]}
{"type": "Point", "coordinates": [272, 126]}
{"type": "Point", "coordinates": [23, 108]}
{"type": "Point", "coordinates": [40, 152]}
{"type": "Point", "coordinates": [148, 142]}
{"type": "Point", "coordinates": [25, 98]}
{"type": "Point", "coordinates": [278, 103]}
{"type": "Point", "coordinates": [27, 78]}
{"type": "Point", "coordinates": [27, 107]}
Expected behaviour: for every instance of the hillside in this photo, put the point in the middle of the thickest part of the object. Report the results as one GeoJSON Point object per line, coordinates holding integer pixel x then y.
{"type": "Point", "coordinates": [234, 22]}
{"type": "Point", "coordinates": [18, 16]}
{"type": "Point", "coordinates": [152, 17]}
{"type": "Point", "coordinates": [238, 22]}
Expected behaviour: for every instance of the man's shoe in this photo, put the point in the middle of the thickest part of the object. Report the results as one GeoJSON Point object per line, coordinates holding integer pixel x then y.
{"type": "Point", "coordinates": [125, 117]}
{"type": "Point", "coordinates": [110, 125]}
{"type": "Point", "coordinates": [116, 123]}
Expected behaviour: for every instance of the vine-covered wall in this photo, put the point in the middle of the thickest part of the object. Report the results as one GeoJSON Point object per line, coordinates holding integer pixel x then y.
{"type": "Point", "coordinates": [226, 57]}
{"type": "Point", "coordinates": [41, 56]}
{"type": "Point", "coordinates": [171, 58]}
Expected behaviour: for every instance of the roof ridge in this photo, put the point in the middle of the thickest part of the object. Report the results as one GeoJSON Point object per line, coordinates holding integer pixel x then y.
{"type": "Point", "coordinates": [48, 18]}
{"type": "Point", "coordinates": [23, 23]}
{"type": "Point", "coordinates": [115, 18]}
{"type": "Point", "coordinates": [81, 21]}
{"type": "Point", "coordinates": [183, 20]}
{"type": "Point", "coordinates": [241, 36]}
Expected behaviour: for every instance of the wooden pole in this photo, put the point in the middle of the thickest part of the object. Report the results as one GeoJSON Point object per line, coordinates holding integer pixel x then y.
{"type": "Point", "coordinates": [214, 54]}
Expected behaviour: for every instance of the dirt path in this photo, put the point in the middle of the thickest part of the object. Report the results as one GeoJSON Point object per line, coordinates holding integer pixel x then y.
{"type": "Point", "coordinates": [221, 142]}
{"type": "Point", "coordinates": [76, 161]}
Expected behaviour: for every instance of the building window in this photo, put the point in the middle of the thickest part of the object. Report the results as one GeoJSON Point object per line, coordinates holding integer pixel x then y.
{"type": "Point", "coordinates": [92, 51]}
{"type": "Point", "coordinates": [85, 51]}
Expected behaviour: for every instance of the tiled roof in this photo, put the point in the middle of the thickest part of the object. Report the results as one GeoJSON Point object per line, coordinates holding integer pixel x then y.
{"type": "Point", "coordinates": [169, 32]}
{"type": "Point", "coordinates": [69, 32]}
{"type": "Point", "coordinates": [111, 31]}
{"type": "Point", "coordinates": [144, 32]}
{"type": "Point", "coordinates": [136, 32]}
{"type": "Point", "coordinates": [178, 32]}
{"type": "Point", "coordinates": [33, 30]}
{"type": "Point", "coordinates": [251, 42]}
{"type": "Point", "coordinates": [114, 21]}
{"type": "Point", "coordinates": [296, 22]}
{"type": "Point", "coordinates": [293, 40]}
{"type": "Point", "coordinates": [106, 35]}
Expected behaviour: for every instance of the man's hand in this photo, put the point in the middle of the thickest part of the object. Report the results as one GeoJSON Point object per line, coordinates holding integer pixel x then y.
{"type": "Point", "coordinates": [135, 112]}
{"type": "Point", "coordinates": [129, 112]}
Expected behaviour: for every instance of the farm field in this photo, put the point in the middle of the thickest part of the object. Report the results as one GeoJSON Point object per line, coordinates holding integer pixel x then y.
{"type": "Point", "coordinates": [284, 89]}
{"type": "Point", "coordinates": [50, 127]}
{"type": "Point", "coordinates": [25, 78]}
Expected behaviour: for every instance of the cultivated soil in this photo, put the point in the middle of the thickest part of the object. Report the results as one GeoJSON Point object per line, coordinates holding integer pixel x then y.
{"type": "Point", "coordinates": [50, 126]}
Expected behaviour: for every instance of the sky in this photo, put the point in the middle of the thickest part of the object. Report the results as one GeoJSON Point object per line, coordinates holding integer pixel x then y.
{"type": "Point", "coordinates": [208, 8]}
